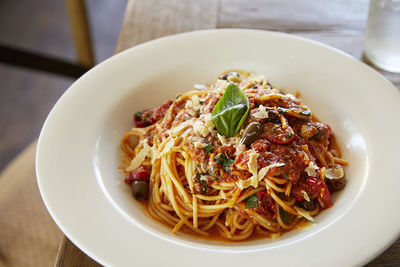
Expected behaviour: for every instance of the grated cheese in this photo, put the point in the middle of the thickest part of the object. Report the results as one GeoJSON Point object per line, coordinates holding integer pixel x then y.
{"type": "Point", "coordinates": [199, 144]}
{"type": "Point", "coordinates": [200, 86]}
{"type": "Point", "coordinates": [194, 103]}
{"type": "Point", "coordinates": [239, 149]}
{"type": "Point", "coordinates": [204, 128]}
{"type": "Point", "coordinates": [310, 170]}
{"type": "Point", "coordinates": [242, 184]}
{"type": "Point", "coordinates": [253, 167]}
{"type": "Point", "coordinates": [304, 213]}
{"type": "Point", "coordinates": [198, 126]}
{"type": "Point", "coordinates": [191, 112]}
{"type": "Point", "coordinates": [221, 138]}
{"type": "Point", "coordinates": [334, 173]}
{"type": "Point", "coordinates": [306, 197]}
{"type": "Point", "coordinates": [257, 78]}
{"type": "Point", "coordinates": [264, 171]}
{"type": "Point", "coordinates": [293, 98]}
{"type": "Point", "coordinates": [175, 131]}
{"type": "Point", "coordinates": [139, 158]}
{"type": "Point", "coordinates": [261, 113]}
{"type": "Point", "coordinates": [220, 84]}
{"type": "Point", "coordinates": [204, 178]}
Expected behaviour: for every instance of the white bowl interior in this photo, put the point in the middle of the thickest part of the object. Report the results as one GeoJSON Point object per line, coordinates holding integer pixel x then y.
{"type": "Point", "coordinates": [158, 80]}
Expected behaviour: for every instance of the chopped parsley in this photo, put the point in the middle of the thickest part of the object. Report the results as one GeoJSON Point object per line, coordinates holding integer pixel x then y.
{"type": "Point", "coordinates": [203, 183]}
{"type": "Point", "coordinates": [224, 161]}
{"type": "Point", "coordinates": [251, 202]}
{"type": "Point", "coordinates": [209, 148]}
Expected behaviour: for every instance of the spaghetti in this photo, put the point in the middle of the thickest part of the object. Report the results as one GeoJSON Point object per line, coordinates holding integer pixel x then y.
{"type": "Point", "coordinates": [277, 170]}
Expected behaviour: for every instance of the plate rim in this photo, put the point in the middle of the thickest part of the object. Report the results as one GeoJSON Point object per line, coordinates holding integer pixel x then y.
{"type": "Point", "coordinates": [162, 39]}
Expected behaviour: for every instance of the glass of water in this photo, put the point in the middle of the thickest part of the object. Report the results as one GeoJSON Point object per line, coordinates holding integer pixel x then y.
{"type": "Point", "coordinates": [382, 35]}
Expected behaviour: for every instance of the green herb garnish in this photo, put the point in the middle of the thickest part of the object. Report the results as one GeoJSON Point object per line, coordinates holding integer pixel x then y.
{"type": "Point", "coordinates": [231, 111]}
{"type": "Point", "coordinates": [224, 161]}
{"type": "Point", "coordinates": [138, 115]}
{"type": "Point", "coordinates": [285, 175]}
{"type": "Point", "coordinates": [285, 216]}
{"type": "Point", "coordinates": [251, 202]}
{"type": "Point", "coordinates": [209, 148]}
{"type": "Point", "coordinates": [203, 183]}
{"type": "Point", "coordinates": [282, 110]}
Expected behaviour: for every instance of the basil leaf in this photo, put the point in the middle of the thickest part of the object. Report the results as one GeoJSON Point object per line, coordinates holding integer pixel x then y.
{"type": "Point", "coordinates": [231, 111]}
{"type": "Point", "coordinates": [209, 148]}
{"type": "Point", "coordinates": [224, 161]}
{"type": "Point", "coordinates": [251, 202]}
{"type": "Point", "coordinates": [285, 216]}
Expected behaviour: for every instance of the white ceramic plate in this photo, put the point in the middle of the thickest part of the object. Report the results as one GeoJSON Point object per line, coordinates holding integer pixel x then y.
{"type": "Point", "coordinates": [78, 150]}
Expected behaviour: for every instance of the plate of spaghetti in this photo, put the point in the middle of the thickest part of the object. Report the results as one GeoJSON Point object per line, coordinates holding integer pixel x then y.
{"type": "Point", "coordinates": [238, 155]}
{"type": "Point", "coordinates": [242, 158]}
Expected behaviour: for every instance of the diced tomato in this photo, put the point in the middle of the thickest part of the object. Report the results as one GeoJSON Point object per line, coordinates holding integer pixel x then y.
{"type": "Point", "coordinates": [323, 195]}
{"type": "Point", "coordinates": [329, 131]}
{"type": "Point", "coordinates": [150, 116]}
{"type": "Point", "coordinates": [266, 205]}
{"type": "Point", "coordinates": [299, 187]}
{"type": "Point", "coordinates": [261, 145]}
{"type": "Point", "coordinates": [141, 118]}
{"type": "Point", "coordinates": [276, 134]}
{"type": "Point", "coordinates": [159, 112]}
{"type": "Point", "coordinates": [139, 174]}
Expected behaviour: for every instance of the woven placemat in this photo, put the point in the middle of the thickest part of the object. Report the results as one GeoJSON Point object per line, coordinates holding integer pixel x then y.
{"type": "Point", "coordinates": [28, 235]}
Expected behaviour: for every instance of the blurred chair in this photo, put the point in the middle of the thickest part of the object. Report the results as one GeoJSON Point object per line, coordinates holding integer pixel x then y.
{"type": "Point", "coordinates": [77, 16]}
{"type": "Point", "coordinates": [29, 237]}
{"type": "Point", "coordinates": [80, 31]}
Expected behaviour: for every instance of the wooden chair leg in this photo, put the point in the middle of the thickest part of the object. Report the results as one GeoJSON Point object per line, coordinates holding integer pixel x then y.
{"type": "Point", "coordinates": [80, 31]}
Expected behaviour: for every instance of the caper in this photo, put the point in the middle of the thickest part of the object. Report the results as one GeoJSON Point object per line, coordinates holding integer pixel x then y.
{"type": "Point", "coordinates": [251, 133]}
{"type": "Point", "coordinates": [140, 189]}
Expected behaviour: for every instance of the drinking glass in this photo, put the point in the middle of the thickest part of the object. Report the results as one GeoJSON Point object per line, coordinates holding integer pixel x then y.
{"type": "Point", "coordinates": [382, 35]}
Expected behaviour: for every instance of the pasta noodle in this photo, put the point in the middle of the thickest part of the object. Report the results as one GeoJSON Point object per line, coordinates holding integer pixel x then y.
{"type": "Point", "coordinates": [260, 181]}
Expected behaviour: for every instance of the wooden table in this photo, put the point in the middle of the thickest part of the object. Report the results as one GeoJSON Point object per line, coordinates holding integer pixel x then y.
{"type": "Point", "coordinates": [338, 23]}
